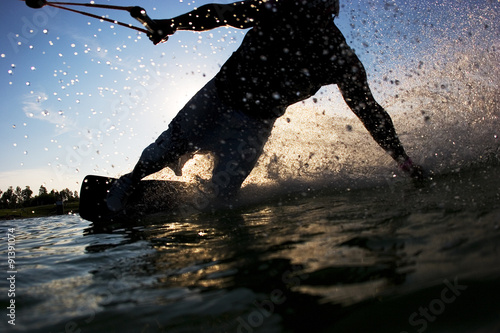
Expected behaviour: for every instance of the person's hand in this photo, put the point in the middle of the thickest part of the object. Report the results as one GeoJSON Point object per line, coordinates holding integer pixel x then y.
{"type": "Point", "coordinates": [161, 33]}
{"type": "Point", "coordinates": [415, 171]}
{"type": "Point", "coordinates": [157, 37]}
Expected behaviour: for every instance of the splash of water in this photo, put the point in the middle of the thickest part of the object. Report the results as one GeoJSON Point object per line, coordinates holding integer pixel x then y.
{"type": "Point", "coordinates": [445, 111]}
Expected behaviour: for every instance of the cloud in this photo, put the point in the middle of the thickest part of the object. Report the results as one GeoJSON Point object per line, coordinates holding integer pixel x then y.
{"type": "Point", "coordinates": [33, 107]}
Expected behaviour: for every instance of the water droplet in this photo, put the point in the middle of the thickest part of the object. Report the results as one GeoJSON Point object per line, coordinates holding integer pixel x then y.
{"type": "Point", "coordinates": [33, 68]}
{"type": "Point", "coordinates": [25, 152]}
{"type": "Point", "coordinates": [13, 65]}
{"type": "Point", "coordinates": [45, 31]}
{"type": "Point", "coordinates": [14, 126]}
{"type": "Point", "coordinates": [2, 55]}
{"type": "Point", "coordinates": [28, 83]}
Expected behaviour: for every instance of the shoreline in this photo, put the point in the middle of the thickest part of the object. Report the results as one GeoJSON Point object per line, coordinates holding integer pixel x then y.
{"type": "Point", "coordinates": [37, 211]}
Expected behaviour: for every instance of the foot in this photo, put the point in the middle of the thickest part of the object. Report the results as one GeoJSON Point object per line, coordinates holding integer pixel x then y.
{"type": "Point", "coordinates": [119, 193]}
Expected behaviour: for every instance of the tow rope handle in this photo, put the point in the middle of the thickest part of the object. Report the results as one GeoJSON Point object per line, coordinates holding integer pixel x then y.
{"type": "Point", "coordinates": [138, 13]}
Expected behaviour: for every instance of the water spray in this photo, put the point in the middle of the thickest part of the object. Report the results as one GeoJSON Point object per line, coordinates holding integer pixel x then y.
{"type": "Point", "coordinates": [136, 12]}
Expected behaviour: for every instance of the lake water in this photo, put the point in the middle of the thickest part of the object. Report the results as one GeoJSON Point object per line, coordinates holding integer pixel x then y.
{"type": "Point", "coordinates": [396, 258]}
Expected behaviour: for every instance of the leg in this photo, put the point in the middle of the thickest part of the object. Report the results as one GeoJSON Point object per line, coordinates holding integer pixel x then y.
{"type": "Point", "coordinates": [182, 137]}
{"type": "Point", "coordinates": [237, 153]}
{"type": "Point", "coordinates": [166, 150]}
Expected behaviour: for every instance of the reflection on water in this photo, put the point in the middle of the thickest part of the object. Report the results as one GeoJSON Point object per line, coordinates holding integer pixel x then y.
{"type": "Point", "coordinates": [355, 261]}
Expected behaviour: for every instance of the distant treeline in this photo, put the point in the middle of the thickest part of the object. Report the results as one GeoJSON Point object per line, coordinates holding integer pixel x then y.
{"type": "Point", "coordinates": [16, 198]}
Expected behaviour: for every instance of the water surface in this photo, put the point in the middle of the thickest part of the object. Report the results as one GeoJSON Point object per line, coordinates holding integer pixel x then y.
{"type": "Point", "coordinates": [393, 258]}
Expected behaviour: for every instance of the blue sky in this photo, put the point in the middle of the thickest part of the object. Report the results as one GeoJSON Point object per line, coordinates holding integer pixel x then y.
{"type": "Point", "coordinates": [80, 96]}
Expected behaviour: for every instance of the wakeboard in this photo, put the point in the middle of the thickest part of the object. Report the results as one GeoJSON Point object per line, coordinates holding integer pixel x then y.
{"type": "Point", "coordinates": [150, 196]}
